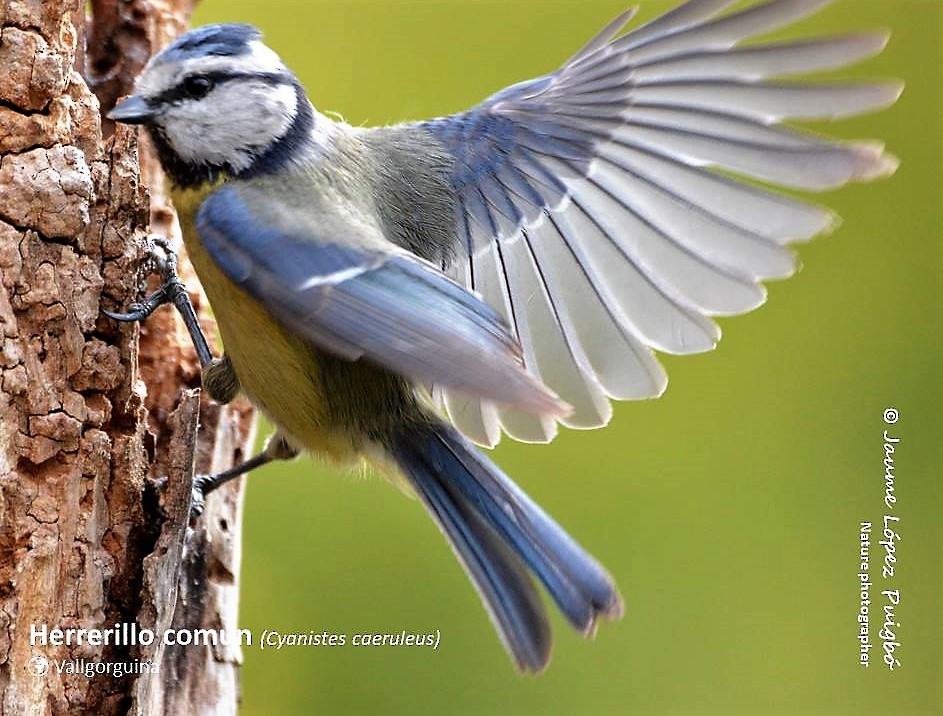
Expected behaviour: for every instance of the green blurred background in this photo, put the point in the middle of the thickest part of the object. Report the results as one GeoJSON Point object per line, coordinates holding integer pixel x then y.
{"type": "Point", "coordinates": [727, 510]}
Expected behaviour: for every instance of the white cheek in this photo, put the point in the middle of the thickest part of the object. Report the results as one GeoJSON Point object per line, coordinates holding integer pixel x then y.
{"type": "Point", "coordinates": [234, 124]}
{"type": "Point", "coordinates": [271, 110]}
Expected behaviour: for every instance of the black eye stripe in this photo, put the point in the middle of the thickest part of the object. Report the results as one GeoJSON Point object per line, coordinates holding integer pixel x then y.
{"type": "Point", "coordinates": [179, 91]}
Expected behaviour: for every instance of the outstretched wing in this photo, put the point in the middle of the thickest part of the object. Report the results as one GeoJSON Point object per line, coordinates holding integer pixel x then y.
{"type": "Point", "coordinates": [591, 213]}
{"type": "Point", "coordinates": [365, 301]}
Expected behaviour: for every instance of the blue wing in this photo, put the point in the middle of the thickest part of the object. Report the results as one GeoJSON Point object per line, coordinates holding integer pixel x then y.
{"type": "Point", "coordinates": [591, 215]}
{"type": "Point", "coordinates": [385, 306]}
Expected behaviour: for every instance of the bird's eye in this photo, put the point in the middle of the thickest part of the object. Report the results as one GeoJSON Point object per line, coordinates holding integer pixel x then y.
{"type": "Point", "coordinates": [197, 87]}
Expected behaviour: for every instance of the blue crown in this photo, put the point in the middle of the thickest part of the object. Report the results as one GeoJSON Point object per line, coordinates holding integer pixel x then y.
{"type": "Point", "coordinates": [223, 40]}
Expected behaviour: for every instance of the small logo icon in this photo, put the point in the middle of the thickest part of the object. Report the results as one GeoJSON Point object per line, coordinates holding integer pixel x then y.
{"type": "Point", "coordinates": [38, 665]}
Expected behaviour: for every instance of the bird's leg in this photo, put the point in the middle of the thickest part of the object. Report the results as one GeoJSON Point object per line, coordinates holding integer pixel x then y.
{"type": "Point", "coordinates": [171, 290]}
{"type": "Point", "coordinates": [277, 447]}
{"type": "Point", "coordinates": [219, 379]}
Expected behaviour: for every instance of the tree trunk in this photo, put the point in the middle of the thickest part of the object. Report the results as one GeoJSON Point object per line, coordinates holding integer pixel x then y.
{"type": "Point", "coordinates": [93, 413]}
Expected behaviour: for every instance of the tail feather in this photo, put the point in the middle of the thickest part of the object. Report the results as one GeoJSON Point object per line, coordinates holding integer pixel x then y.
{"type": "Point", "coordinates": [501, 580]}
{"type": "Point", "coordinates": [497, 531]}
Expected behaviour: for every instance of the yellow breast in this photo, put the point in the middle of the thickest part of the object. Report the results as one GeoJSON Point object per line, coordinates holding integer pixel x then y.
{"type": "Point", "coordinates": [280, 373]}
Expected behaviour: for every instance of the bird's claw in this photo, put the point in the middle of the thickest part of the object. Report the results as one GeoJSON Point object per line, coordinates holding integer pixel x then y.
{"type": "Point", "coordinates": [162, 260]}
{"type": "Point", "coordinates": [139, 310]}
{"type": "Point", "coordinates": [161, 257]}
{"type": "Point", "coordinates": [172, 290]}
{"type": "Point", "coordinates": [198, 495]}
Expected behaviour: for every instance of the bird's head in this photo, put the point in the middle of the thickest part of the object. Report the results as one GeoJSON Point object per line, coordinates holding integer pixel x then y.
{"type": "Point", "coordinates": [218, 101]}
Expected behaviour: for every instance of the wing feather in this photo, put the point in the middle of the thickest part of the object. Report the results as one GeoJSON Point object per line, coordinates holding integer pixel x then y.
{"type": "Point", "coordinates": [602, 210]}
{"type": "Point", "coordinates": [757, 63]}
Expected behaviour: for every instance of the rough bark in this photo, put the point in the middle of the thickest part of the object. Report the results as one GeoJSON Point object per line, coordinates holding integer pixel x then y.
{"type": "Point", "coordinates": [92, 413]}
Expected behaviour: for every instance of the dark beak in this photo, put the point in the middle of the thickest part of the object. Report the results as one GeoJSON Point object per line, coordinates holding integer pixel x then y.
{"type": "Point", "coordinates": [133, 110]}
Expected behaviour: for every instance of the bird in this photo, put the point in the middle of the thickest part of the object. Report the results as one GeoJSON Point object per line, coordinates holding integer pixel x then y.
{"type": "Point", "coordinates": [403, 295]}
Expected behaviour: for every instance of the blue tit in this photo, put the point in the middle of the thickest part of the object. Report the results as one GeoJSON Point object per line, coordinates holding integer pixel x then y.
{"type": "Point", "coordinates": [397, 294]}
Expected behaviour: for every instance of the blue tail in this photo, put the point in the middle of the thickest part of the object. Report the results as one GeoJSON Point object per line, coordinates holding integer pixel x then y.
{"type": "Point", "coordinates": [499, 533]}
